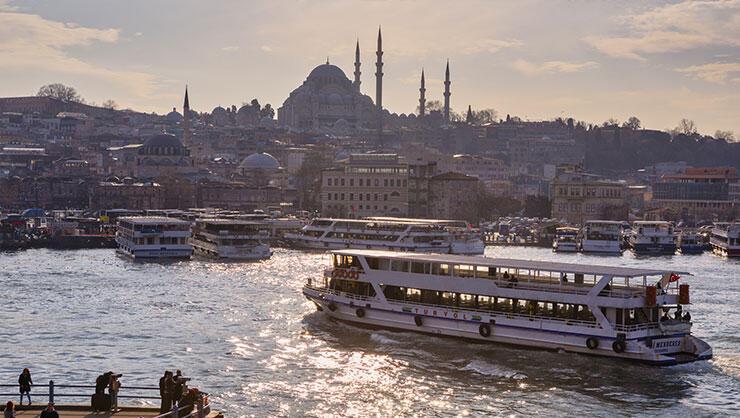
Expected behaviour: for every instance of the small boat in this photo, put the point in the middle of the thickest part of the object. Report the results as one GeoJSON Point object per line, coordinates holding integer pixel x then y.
{"type": "Point", "coordinates": [153, 237]}
{"type": "Point", "coordinates": [653, 238]}
{"type": "Point", "coordinates": [725, 239]}
{"type": "Point", "coordinates": [565, 240]}
{"type": "Point", "coordinates": [231, 239]}
{"type": "Point", "coordinates": [689, 243]}
{"type": "Point", "coordinates": [602, 237]}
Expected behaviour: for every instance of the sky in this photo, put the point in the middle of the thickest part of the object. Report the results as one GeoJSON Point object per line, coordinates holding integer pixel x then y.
{"type": "Point", "coordinates": [538, 59]}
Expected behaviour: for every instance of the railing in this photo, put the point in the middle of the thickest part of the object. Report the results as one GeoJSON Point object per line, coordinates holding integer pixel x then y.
{"type": "Point", "coordinates": [200, 409]}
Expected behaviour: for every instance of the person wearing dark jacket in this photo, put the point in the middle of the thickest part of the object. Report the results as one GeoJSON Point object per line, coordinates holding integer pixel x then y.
{"type": "Point", "coordinates": [25, 382]}
{"type": "Point", "coordinates": [49, 412]}
{"type": "Point", "coordinates": [165, 392]}
{"type": "Point", "coordinates": [102, 382]}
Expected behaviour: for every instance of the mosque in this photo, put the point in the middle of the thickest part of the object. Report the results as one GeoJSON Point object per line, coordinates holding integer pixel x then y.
{"type": "Point", "coordinates": [328, 101]}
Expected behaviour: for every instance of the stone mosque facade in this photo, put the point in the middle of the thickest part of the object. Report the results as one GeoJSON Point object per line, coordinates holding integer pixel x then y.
{"type": "Point", "coordinates": [329, 102]}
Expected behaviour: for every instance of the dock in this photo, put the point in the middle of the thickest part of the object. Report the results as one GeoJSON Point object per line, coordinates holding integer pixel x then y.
{"type": "Point", "coordinates": [84, 411]}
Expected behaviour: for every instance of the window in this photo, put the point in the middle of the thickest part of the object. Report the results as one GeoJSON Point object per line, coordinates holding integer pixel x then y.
{"type": "Point", "coordinates": [351, 182]}
{"type": "Point", "coordinates": [385, 196]}
{"type": "Point", "coordinates": [399, 265]}
{"type": "Point", "coordinates": [342, 180]}
{"type": "Point", "coordinates": [385, 182]}
{"type": "Point", "coordinates": [328, 181]}
{"type": "Point", "coordinates": [360, 182]}
{"type": "Point", "coordinates": [351, 196]}
{"type": "Point", "coordinates": [377, 182]}
{"type": "Point", "coordinates": [342, 196]}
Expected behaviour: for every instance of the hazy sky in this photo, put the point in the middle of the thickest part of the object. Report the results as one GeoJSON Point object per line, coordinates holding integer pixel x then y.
{"type": "Point", "coordinates": [592, 60]}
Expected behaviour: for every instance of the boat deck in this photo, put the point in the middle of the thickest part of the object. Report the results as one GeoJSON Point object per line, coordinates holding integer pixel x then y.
{"type": "Point", "coordinates": [83, 411]}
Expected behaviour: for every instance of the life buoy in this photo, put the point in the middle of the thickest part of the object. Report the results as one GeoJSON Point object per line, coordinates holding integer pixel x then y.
{"type": "Point", "coordinates": [342, 273]}
{"type": "Point", "coordinates": [360, 312]}
{"type": "Point", "coordinates": [332, 306]}
{"type": "Point", "coordinates": [619, 346]}
{"type": "Point", "coordinates": [592, 343]}
{"type": "Point", "coordinates": [355, 275]}
{"type": "Point", "coordinates": [484, 330]}
{"type": "Point", "coordinates": [418, 321]}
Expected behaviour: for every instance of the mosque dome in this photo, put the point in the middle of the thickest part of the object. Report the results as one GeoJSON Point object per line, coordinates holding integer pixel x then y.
{"type": "Point", "coordinates": [218, 110]}
{"type": "Point", "coordinates": [260, 161]}
{"type": "Point", "coordinates": [174, 116]}
{"type": "Point", "coordinates": [163, 144]}
{"type": "Point", "coordinates": [327, 71]}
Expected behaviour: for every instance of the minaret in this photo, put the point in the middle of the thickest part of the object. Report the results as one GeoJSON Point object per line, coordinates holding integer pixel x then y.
{"type": "Point", "coordinates": [357, 66]}
{"type": "Point", "coordinates": [469, 116]}
{"type": "Point", "coordinates": [447, 94]}
{"type": "Point", "coordinates": [186, 119]}
{"type": "Point", "coordinates": [379, 85]}
{"type": "Point", "coordinates": [422, 98]}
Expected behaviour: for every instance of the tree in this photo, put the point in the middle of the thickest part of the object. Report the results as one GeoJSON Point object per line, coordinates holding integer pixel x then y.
{"type": "Point", "coordinates": [308, 179]}
{"type": "Point", "coordinates": [485, 116]}
{"type": "Point", "coordinates": [60, 92]}
{"type": "Point", "coordinates": [255, 103]}
{"type": "Point", "coordinates": [431, 106]}
{"type": "Point", "coordinates": [110, 104]}
{"type": "Point", "coordinates": [610, 122]}
{"type": "Point", "coordinates": [686, 127]}
{"type": "Point", "coordinates": [632, 123]}
{"type": "Point", "coordinates": [728, 136]}
{"type": "Point", "coordinates": [267, 111]}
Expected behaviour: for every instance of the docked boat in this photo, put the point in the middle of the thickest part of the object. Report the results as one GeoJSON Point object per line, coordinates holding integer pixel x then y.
{"type": "Point", "coordinates": [652, 237]}
{"type": "Point", "coordinates": [725, 239]}
{"type": "Point", "coordinates": [565, 240]}
{"type": "Point", "coordinates": [153, 237]}
{"type": "Point", "coordinates": [230, 238]}
{"type": "Point", "coordinates": [628, 313]}
{"type": "Point", "coordinates": [689, 242]}
{"type": "Point", "coordinates": [601, 237]}
{"type": "Point", "coordinates": [386, 233]}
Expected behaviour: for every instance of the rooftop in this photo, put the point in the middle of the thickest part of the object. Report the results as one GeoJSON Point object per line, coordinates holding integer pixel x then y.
{"type": "Point", "coordinates": [153, 220]}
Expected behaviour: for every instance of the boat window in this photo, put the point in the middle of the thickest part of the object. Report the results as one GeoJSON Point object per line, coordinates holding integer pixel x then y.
{"type": "Point", "coordinates": [420, 268]}
{"type": "Point", "coordinates": [413, 295]}
{"type": "Point", "coordinates": [429, 296]}
{"type": "Point", "coordinates": [373, 262]}
{"type": "Point", "coordinates": [399, 265]}
{"type": "Point", "coordinates": [441, 269]}
{"type": "Point", "coordinates": [468, 301]}
{"type": "Point", "coordinates": [463, 270]}
{"type": "Point", "coordinates": [485, 272]}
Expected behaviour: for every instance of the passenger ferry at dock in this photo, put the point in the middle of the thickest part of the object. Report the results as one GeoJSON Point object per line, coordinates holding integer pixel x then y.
{"type": "Point", "coordinates": [231, 239]}
{"type": "Point", "coordinates": [386, 233]}
{"type": "Point", "coordinates": [725, 239]}
{"type": "Point", "coordinates": [153, 237]}
{"type": "Point", "coordinates": [652, 237]}
{"type": "Point", "coordinates": [601, 237]}
{"type": "Point", "coordinates": [688, 242]}
{"type": "Point", "coordinates": [628, 313]}
{"type": "Point", "coordinates": [565, 240]}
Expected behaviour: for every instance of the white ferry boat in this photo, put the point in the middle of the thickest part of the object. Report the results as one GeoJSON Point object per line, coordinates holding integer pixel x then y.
{"type": "Point", "coordinates": [385, 233]}
{"type": "Point", "coordinates": [725, 239]}
{"type": "Point", "coordinates": [565, 240]}
{"type": "Point", "coordinates": [652, 237]}
{"type": "Point", "coordinates": [153, 237]}
{"type": "Point", "coordinates": [601, 237]}
{"type": "Point", "coordinates": [688, 242]}
{"type": "Point", "coordinates": [230, 238]}
{"type": "Point", "coordinates": [621, 312]}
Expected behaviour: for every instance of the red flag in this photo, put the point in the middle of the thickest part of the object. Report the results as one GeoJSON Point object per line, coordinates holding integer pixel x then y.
{"type": "Point", "coordinates": [674, 277]}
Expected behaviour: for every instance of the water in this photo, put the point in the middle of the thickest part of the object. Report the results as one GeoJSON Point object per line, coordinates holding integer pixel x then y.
{"type": "Point", "coordinates": [244, 332]}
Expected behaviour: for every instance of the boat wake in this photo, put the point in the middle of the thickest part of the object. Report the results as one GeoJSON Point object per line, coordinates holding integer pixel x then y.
{"type": "Point", "coordinates": [490, 369]}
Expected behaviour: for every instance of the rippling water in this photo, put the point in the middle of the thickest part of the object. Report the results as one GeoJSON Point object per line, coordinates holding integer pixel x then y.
{"type": "Point", "coordinates": [244, 332]}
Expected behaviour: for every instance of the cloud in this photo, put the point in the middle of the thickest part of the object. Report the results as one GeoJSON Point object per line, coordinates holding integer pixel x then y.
{"type": "Point", "coordinates": [230, 48]}
{"type": "Point", "coordinates": [266, 48]}
{"type": "Point", "coordinates": [30, 42]}
{"type": "Point", "coordinates": [674, 28]}
{"type": "Point", "coordinates": [551, 67]}
{"type": "Point", "coordinates": [490, 45]}
{"type": "Point", "coordinates": [715, 72]}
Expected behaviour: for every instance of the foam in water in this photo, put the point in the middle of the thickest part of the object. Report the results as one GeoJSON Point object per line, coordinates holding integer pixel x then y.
{"type": "Point", "coordinates": [490, 369]}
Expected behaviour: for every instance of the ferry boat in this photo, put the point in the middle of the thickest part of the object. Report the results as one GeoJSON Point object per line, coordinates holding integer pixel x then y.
{"type": "Point", "coordinates": [601, 237]}
{"type": "Point", "coordinates": [386, 233]}
{"type": "Point", "coordinates": [153, 237]}
{"type": "Point", "coordinates": [689, 243]}
{"type": "Point", "coordinates": [652, 237]}
{"type": "Point", "coordinates": [628, 313]}
{"type": "Point", "coordinates": [565, 240]}
{"type": "Point", "coordinates": [725, 239]}
{"type": "Point", "coordinates": [230, 238]}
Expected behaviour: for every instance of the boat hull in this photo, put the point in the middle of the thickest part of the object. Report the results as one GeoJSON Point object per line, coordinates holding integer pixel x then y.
{"type": "Point", "coordinates": [654, 249]}
{"type": "Point", "coordinates": [443, 322]}
{"type": "Point", "coordinates": [139, 254]}
{"type": "Point", "coordinates": [691, 249]}
{"type": "Point", "coordinates": [601, 247]}
{"type": "Point", "coordinates": [466, 249]}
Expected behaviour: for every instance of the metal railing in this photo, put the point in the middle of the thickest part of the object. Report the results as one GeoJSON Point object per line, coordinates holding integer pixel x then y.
{"type": "Point", "coordinates": [200, 408]}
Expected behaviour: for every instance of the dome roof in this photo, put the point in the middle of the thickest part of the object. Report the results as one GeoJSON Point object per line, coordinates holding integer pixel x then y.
{"type": "Point", "coordinates": [163, 140]}
{"type": "Point", "coordinates": [218, 110]}
{"type": "Point", "coordinates": [260, 161]}
{"type": "Point", "coordinates": [327, 71]}
{"type": "Point", "coordinates": [174, 116]}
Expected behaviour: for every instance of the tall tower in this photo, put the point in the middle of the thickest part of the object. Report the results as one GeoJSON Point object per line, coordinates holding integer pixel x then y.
{"type": "Point", "coordinates": [447, 94]}
{"type": "Point", "coordinates": [379, 86]}
{"type": "Point", "coordinates": [357, 67]}
{"type": "Point", "coordinates": [186, 119]}
{"type": "Point", "coordinates": [422, 98]}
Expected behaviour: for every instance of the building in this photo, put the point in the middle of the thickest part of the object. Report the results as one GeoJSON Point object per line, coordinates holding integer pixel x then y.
{"type": "Point", "coordinates": [420, 172]}
{"type": "Point", "coordinates": [126, 194]}
{"type": "Point", "coordinates": [366, 185]}
{"type": "Point", "coordinates": [163, 155]}
{"type": "Point", "coordinates": [454, 196]}
{"type": "Point", "coordinates": [242, 196]}
{"type": "Point", "coordinates": [699, 192]}
{"type": "Point", "coordinates": [578, 197]}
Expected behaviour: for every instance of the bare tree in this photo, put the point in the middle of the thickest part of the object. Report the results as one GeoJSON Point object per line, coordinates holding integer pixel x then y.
{"type": "Point", "coordinates": [632, 123]}
{"type": "Point", "coordinates": [61, 92]}
{"type": "Point", "coordinates": [110, 104]}
{"type": "Point", "coordinates": [610, 122]}
{"type": "Point", "coordinates": [431, 106]}
{"type": "Point", "coordinates": [728, 136]}
{"type": "Point", "coordinates": [485, 116]}
{"type": "Point", "coordinates": [686, 127]}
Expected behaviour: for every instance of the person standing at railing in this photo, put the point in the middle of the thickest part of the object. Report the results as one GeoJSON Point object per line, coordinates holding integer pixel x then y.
{"type": "Point", "coordinates": [25, 382]}
{"type": "Point", "coordinates": [166, 387]}
{"type": "Point", "coordinates": [113, 388]}
{"type": "Point", "coordinates": [9, 410]}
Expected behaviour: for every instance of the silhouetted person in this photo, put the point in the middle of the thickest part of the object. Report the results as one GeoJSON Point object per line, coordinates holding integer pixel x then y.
{"type": "Point", "coordinates": [102, 382]}
{"type": "Point", "coordinates": [166, 388]}
{"type": "Point", "coordinates": [113, 388]}
{"type": "Point", "coordinates": [49, 412]}
{"type": "Point", "coordinates": [179, 384]}
{"type": "Point", "coordinates": [24, 383]}
{"type": "Point", "coordinates": [9, 410]}
{"type": "Point", "coordinates": [687, 317]}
